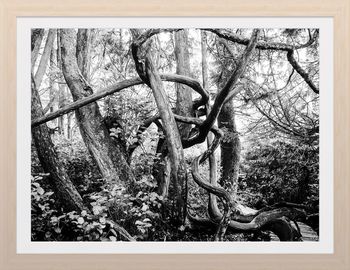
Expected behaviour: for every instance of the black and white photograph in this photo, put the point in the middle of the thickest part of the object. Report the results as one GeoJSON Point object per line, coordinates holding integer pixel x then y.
{"type": "Point", "coordinates": [175, 134]}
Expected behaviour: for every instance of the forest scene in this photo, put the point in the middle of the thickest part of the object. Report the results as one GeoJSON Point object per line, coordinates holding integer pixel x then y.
{"type": "Point", "coordinates": [174, 134]}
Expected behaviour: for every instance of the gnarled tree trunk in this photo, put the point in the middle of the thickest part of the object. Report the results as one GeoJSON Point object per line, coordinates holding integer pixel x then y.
{"type": "Point", "coordinates": [151, 77]}
{"type": "Point", "coordinates": [67, 193]}
{"type": "Point", "coordinates": [110, 160]}
{"type": "Point", "coordinates": [184, 107]}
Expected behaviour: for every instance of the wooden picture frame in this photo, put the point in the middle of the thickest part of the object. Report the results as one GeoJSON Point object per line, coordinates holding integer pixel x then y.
{"type": "Point", "coordinates": [339, 10]}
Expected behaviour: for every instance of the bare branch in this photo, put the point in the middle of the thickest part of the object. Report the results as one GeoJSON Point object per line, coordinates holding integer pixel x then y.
{"type": "Point", "coordinates": [301, 71]}
{"type": "Point", "coordinates": [195, 85]}
{"type": "Point", "coordinates": [225, 92]}
{"type": "Point", "coordinates": [261, 45]}
{"type": "Point", "coordinates": [275, 46]}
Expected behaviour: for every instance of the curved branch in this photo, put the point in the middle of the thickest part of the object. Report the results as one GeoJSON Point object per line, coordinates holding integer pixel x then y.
{"type": "Point", "coordinates": [261, 45]}
{"type": "Point", "coordinates": [224, 195]}
{"type": "Point", "coordinates": [275, 46]}
{"type": "Point", "coordinates": [274, 220]}
{"type": "Point", "coordinates": [225, 92]}
{"type": "Point", "coordinates": [301, 71]}
{"type": "Point", "coordinates": [265, 218]}
{"type": "Point", "coordinates": [195, 85]}
{"type": "Point", "coordinates": [141, 38]}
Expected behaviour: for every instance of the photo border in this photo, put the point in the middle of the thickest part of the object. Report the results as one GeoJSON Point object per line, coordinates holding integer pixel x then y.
{"type": "Point", "coordinates": [24, 243]}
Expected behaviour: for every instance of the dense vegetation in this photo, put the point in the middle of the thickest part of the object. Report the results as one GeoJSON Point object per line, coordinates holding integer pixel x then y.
{"type": "Point", "coordinates": [174, 134]}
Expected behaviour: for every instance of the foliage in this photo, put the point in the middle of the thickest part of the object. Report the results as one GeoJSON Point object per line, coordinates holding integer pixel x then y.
{"type": "Point", "coordinates": [278, 170]}
{"type": "Point", "coordinates": [51, 224]}
{"type": "Point", "coordinates": [79, 164]}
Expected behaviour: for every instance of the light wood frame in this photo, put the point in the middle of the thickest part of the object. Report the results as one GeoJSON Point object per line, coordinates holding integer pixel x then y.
{"type": "Point", "coordinates": [338, 9]}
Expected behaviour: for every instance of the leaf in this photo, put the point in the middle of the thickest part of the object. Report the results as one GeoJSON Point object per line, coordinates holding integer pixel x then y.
{"type": "Point", "coordinates": [47, 235]}
{"type": "Point", "coordinates": [97, 209]}
{"type": "Point", "coordinates": [102, 220]}
{"type": "Point", "coordinates": [40, 191]}
{"type": "Point", "coordinates": [181, 228]}
{"type": "Point", "coordinates": [113, 238]}
{"type": "Point", "coordinates": [80, 220]}
{"type": "Point", "coordinates": [144, 208]}
{"type": "Point", "coordinates": [83, 213]}
{"type": "Point", "coordinates": [54, 220]}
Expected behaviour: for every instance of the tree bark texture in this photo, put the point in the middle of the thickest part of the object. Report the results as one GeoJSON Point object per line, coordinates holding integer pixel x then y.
{"type": "Point", "coordinates": [150, 75]}
{"type": "Point", "coordinates": [213, 209]}
{"type": "Point", "coordinates": [37, 38]}
{"type": "Point", "coordinates": [53, 84]}
{"type": "Point", "coordinates": [67, 193]}
{"type": "Point", "coordinates": [109, 159]}
{"type": "Point", "coordinates": [62, 95]}
{"type": "Point", "coordinates": [184, 105]}
{"type": "Point", "coordinates": [40, 72]}
{"type": "Point", "coordinates": [114, 89]}
{"type": "Point", "coordinates": [84, 52]}
{"type": "Point", "coordinates": [230, 148]}
{"type": "Point", "coordinates": [176, 154]}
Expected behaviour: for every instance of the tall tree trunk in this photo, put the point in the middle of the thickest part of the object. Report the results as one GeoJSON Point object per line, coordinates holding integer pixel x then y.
{"type": "Point", "coordinates": [39, 75]}
{"type": "Point", "coordinates": [37, 38]}
{"type": "Point", "coordinates": [176, 155]}
{"type": "Point", "coordinates": [53, 84]}
{"type": "Point", "coordinates": [230, 148]}
{"type": "Point", "coordinates": [61, 104]}
{"type": "Point", "coordinates": [83, 52]}
{"type": "Point", "coordinates": [69, 125]}
{"type": "Point", "coordinates": [109, 158]}
{"type": "Point", "coordinates": [67, 193]}
{"type": "Point", "coordinates": [213, 209]}
{"type": "Point", "coordinates": [62, 97]}
{"type": "Point", "coordinates": [184, 104]}
{"type": "Point", "coordinates": [230, 145]}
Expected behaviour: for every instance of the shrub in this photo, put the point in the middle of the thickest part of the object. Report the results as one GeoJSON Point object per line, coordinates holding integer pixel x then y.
{"type": "Point", "coordinates": [281, 171]}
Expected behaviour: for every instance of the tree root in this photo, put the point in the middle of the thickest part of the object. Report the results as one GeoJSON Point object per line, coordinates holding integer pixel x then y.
{"type": "Point", "coordinates": [276, 220]}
